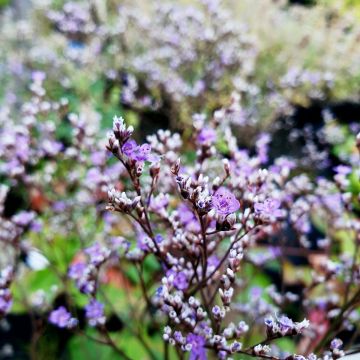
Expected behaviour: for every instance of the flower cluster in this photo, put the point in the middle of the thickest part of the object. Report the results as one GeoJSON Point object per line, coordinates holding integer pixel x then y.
{"type": "Point", "coordinates": [199, 284]}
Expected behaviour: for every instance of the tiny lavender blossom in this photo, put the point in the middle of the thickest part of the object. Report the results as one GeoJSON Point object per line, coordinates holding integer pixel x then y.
{"type": "Point", "coordinates": [62, 318]}
{"type": "Point", "coordinates": [206, 136]}
{"type": "Point", "coordinates": [224, 202]}
{"type": "Point", "coordinates": [197, 347]}
{"type": "Point", "coordinates": [269, 209]}
{"type": "Point", "coordinates": [94, 312]}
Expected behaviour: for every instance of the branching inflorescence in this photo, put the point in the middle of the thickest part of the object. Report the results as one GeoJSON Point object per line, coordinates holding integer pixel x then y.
{"type": "Point", "coordinates": [203, 222]}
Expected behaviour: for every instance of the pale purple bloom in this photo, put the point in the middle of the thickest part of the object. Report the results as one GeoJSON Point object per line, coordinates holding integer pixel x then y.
{"type": "Point", "coordinates": [224, 202]}
{"type": "Point", "coordinates": [52, 147]}
{"type": "Point", "coordinates": [188, 219]}
{"type": "Point", "coordinates": [143, 241]}
{"type": "Point", "coordinates": [269, 321]}
{"type": "Point", "coordinates": [159, 238]}
{"type": "Point", "coordinates": [269, 208]}
{"type": "Point", "coordinates": [333, 202]}
{"type": "Point", "coordinates": [5, 301]}
{"type": "Point", "coordinates": [81, 273]}
{"type": "Point", "coordinates": [343, 169]}
{"type": "Point", "coordinates": [77, 270]}
{"type": "Point", "coordinates": [97, 253]}
{"type": "Point", "coordinates": [98, 158]}
{"type": "Point", "coordinates": [139, 153]}
{"type": "Point", "coordinates": [159, 202]}
{"type": "Point", "coordinates": [142, 153]}
{"type": "Point", "coordinates": [129, 147]}
{"type": "Point", "coordinates": [198, 351]}
{"type": "Point", "coordinates": [213, 261]}
{"type": "Point", "coordinates": [38, 76]}
{"type": "Point", "coordinates": [23, 218]}
{"type": "Point", "coordinates": [59, 206]}
{"type": "Point", "coordinates": [336, 344]}
{"type": "Point", "coordinates": [180, 281]}
{"type": "Point", "coordinates": [286, 324]}
{"type": "Point", "coordinates": [62, 318]}
{"type": "Point", "coordinates": [94, 312]}
{"type": "Point", "coordinates": [206, 136]}
{"type": "Point", "coordinates": [36, 226]}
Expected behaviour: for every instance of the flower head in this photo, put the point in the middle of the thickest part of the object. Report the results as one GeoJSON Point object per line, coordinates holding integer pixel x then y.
{"type": "Point", "coordinates": [139, 153]}
{"type": "Point", "coordinates": [224, 202]}
{"type": "Point", "coordinates": [97, 253]}
{"type": "Point", "coordinates": [197, 343]}
{"type": "Point", "coordinates": [62, 318]}
{"type": "Point", "coordinates": [206, 136]}
{"type": "Point", "coordinates": [269, 209]}
{"type": "Point", "coordinates": [5, 301]}
{"type": "Point", "coordinates": [94, 312]}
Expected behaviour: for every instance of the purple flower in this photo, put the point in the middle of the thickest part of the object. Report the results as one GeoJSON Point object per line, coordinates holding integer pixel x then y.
{"type": "Point", "coordinates": [5, 301]}
{"type": "Point", "coordinates": [94, 312]}
{"type": "Point", "coordinates": [94, 176]}
{"type": "Point", "coordinates": [81, 273]}
{"type": "Point", "coordinates": [139, 153]}
{"type": "Point", "coordinates": [129, 147]}
{"type": "Point", "coordinates": [36, 226]}
{"type": "Point", "coordinates": [59, 206]}
{"type": "Point", "coordinates": [343, 169]}
{"type": "Point", "coordinates": [213, 261]}
{"type": "Point", "coordinates": [97, 253]}
{"type": "Point", "coordinates": [335, 344]}
{"type": "Point", "coordinates": [225, 202]}
{"type": "Point", "coordinates": [206, 136]}
{"type": "Point", "coordinates": [62, 318]}
{"type": "Point", "coordinates": [269, 321]}
{"type": "Point", "coordinates": [269, 208]}
{"type": "Point", "coordinates": [38, 76]}
{"type": "Point", "coordinates": [142, 153]}
{"type": "Point", "coordinates": [286, 325]}
{"type": "Point", "coordinates": [23, 218]}
{"type": "Point", "coordinates": [77, 270]}
{"type": "Point", "coordinates": [198, 351]}
{"type": "Point", "coordinates": [98, 158]}
{"type": "Point", "coordinates": [188, 219]}
{"type": "Point", "coordinates": [179, 279]}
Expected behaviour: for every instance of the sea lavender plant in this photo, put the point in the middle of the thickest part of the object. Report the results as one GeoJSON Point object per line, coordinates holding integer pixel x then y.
{"type": "Point", "coordinates": [199, 294]}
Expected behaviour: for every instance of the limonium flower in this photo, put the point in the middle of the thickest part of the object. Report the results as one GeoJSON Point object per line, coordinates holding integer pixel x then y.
{"type": "Point", "coordinates": [269, 208]}
{"type": "Point", "coordinates": [224, 202]}
{"type": "Point", "coordinates": [197, 343]}
{"type": "Point", "coordinates": [94, 312]}
{"type": "Point", "coordinates": [5, 301]}
{"type": "Point", "coordinates": [139, 153]}
{"type": "Point", "coordinates": [206, 136]}
{"type": "Point", "coordinates": [62, 318]}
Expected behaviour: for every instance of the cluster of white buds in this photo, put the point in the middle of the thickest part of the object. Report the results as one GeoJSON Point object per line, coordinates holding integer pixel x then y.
{"type": "Point", "coordinates": [165, 143]}
{"type": "Point", "coordinates": [118, 201]}
{"type": "Point", "coordinates": [233, 331]}
{"type": "Point", "coordinates": [121, 132]}
{"type": "Point", "coordinates": [235, 258]}
{"type": "Point", "coordinates": [226, 296]}
{"type": "Point", "coordinates": [202, 200]}
{"type": "Point", "coordinates": [184, 184]}
{"type": "Point", "coordinates": [261, 349]}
